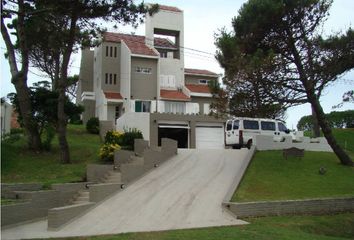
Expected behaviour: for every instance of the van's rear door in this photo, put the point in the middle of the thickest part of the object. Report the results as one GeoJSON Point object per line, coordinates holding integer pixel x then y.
{"type": "Point", "coordinates": [231, 132]}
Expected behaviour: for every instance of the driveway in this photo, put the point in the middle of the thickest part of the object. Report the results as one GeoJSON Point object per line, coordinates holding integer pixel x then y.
{"type": "Point", "coordinates": [185, 192]}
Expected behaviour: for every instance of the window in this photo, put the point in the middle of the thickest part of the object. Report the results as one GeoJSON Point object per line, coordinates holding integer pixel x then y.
{"type": "Point", "coordinates": [270, 126]}
{"type": "Point", "coordinates": [175, 107]}
{"type": "Point", "coordinates": [111, 51]}
{"type": "Point", "coordinates": [203, 81]}
{"type": "Point", "coordinates": [163, 54]}
{"type": "Point", "coordinates": [282, 127]}
{"type": "Point", "coordinates": [236, 125]}
{"type": "Point", "coordinates": [106, 51]}
{"type": "Point", "coordinates": [115, 79]}
{"type": "Point", "coordinates": [117, 112]}
{"type": "Point", "coordinates": [142, 106]}
{"type": "Point", "coordinates": [248, 124]}
{"type": "Point", "coordinates": [106, 79]}
{"type": "Point", "coordinates": [229, 126]}
{"type": "Point", "coordinates": [110, 78]}
{"type": "Point", "coordinates": [115, 52]}
{"type": "Point", "coordinates": [144, 70]}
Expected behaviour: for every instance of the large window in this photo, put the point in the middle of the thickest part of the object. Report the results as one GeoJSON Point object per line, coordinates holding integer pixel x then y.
{"type": "Point", "coordinates": [142, 106]}
{"type": "Point", "coordinates": [249, 124]}
{"type": "Point", "coordinates": [270, 126]}
{"type": "Point", "coordinates": [175, 107]}
{"type": "Point", "coordinates": [203, 81]}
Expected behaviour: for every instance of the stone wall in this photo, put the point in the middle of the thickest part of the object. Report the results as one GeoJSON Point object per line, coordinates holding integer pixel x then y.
{"type": "Point", "coordinates": [289, 207]}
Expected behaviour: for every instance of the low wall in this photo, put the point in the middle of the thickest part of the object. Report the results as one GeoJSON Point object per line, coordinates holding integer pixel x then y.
{"type": "Point", "coordinates": [95, 172]}
{"type": "Point", "coordinates": [310, 206]}
{"type": "Point", "coordinates": [39, 203]}
{"type": "Point", "coordinates": [122, 156]}
{"type": "Point", "coordinates": [99, 192]}
{"type": "Point", "coordinates": [106, 126]}
{"type": "Point", "coordinates": [59, 217]}
{"type": "Point", "coordinates": [8, 189]}
{"type": "Point", "coordinates": [263, 143]}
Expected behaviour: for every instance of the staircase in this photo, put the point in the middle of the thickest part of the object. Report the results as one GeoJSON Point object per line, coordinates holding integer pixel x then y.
{"type": "Point", "coordinates": [112, 177]}
{"type": "Point", "coordinates": [83, 196]}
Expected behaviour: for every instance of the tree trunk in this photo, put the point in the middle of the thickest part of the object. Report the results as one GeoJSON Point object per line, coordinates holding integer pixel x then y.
{"type": "Point", "coordinates": [61, 128]}
{"type": "Point", "coordinates": [315, 127]}
{"type": "Point", "coordinates": [327, 132]}
{"type": "Point", "coordinates": [23, 96]}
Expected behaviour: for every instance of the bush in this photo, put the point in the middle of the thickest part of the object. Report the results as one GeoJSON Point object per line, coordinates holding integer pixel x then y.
{"type": "Point", "coordinates": [129, 137]}
{"type": "Point", "coordinates": [114, 137]}
{"type": "Point", "coordinates": [92, 125]}
{"type": "Point", "coordinates": [16, 131]}
{"type": "Point", "coordinates": [49, 136]}
{"type": "Point", "coordinates": [107, 151]}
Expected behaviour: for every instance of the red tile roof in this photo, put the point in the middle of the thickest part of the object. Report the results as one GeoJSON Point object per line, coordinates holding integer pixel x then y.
{"type": "Point", "coordinates": [174, 95]}
{"type": "Point", "coordinates": [169, 8]}
{"type": "Point", "coordinates": [113, 95]}
{"type": "Point", "coordinates": [191, 71]}
{"type": "Point", "coordinates": [198, 88]}
{"type": "Point", "coordinates": [163, 43]}
{"type": "Point", "coordinates": [135, 43]}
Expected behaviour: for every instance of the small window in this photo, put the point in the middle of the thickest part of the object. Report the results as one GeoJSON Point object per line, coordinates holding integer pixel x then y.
{"type": "Point", "coordinates": [115, 52]}
{"type": "Point", "coordinates": [236, 125]}
{"type": "Point", "coordinates": [249, 124]}
{"type": "Point", "coordinates": [163, 54]}
{"type": "Point", "coordinates": [142, 106]}
{"type": "Point", "coordinates": [144, 70]}
{"type": "Point", "coordinates": [117, 112]}
{"type": "Point", "coordinates": [106, 51]}
{"type": "Point", "coordinates": [229, 126]}
{"type": "Point", "coordinates": [282, 127]}
{"type": "Point", "coordinates": [203, 81]}
{"type": "Point", "coordinates": [111, 51]}
{"type": "Point", "coordinates": [106, 79]}
{"type": "Point", "coordinates": [115, 79]}
{"type": "Point", "coordinates": [110, 78]}
{"type": "Point", "coordinates": [268, 126]}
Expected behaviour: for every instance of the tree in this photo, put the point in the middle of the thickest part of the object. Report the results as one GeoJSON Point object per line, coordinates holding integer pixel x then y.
{"type": "Point", "coordinates": [348, 97]}
{"type": "Point", "coordinates": [298, 62]}
{"type": "Point", "coordinates": [18, 58]}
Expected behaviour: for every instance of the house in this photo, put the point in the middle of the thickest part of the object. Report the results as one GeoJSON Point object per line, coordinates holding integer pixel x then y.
{"type": "Point", "coordinates": [5, 120]}
{"type": "Point", "coordinates": [141, 82]}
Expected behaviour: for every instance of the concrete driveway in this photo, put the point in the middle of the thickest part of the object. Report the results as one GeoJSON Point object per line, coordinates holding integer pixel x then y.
{"type": "Point", "coordinates": [185, 192]}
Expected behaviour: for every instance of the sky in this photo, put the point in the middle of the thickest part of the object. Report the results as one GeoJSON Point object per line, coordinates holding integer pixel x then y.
{"type": "Point", "coordinates": [202, 19]}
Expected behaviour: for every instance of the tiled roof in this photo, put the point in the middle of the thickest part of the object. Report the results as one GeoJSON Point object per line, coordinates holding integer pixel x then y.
{"type": "Point", "coordinates": [191, 71]}
{"type": "Point", "coordinates": [169, 8]}
{"type": "Point", "coordinates": [113, 95]}
{"type": "Point", "coordinates": [198, 88]}
{"type": "Point", "coordinates": [164, 43]}
{"type": "Point", "coordinates": [174, 95]}
{"type": "Point", "coordinates": [135, 43]}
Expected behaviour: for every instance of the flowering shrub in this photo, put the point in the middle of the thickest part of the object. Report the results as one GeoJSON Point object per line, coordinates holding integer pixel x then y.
{"type": "Point", "coordinates": [114, 137]}
{"type": "Point", "coordinates": [107, 151]}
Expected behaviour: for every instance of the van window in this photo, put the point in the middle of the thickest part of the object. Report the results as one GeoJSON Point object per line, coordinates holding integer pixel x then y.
{"type": "Point", "coordinates": [270, 126]}
{"type": "Point", "coordinates": [248, 124]}
{"type": "Point", "coordinates": [282, 127]}
{"type": "Point", "coordinates": [228, 125]}
{"type": "Point", "coordinates": [236, 124]}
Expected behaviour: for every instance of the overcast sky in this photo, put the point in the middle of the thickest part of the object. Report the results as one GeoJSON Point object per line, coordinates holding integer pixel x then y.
{"type": "Point", "coordinates": [202, 19]}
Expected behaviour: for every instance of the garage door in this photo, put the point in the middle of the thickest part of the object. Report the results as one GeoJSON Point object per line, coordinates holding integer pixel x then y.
{"type": "Point", "coordinates": [210, 136]}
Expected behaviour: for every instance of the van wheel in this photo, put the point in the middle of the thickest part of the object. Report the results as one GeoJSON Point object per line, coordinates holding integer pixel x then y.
{"type": "Point", "coordinates": [237, 146]}
{"type": "Point", "coordinates": [249, 144]}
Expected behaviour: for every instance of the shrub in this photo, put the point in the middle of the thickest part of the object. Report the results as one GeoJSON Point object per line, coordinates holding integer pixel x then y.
{"type": "Point", "coordinates": [92, 125]}
{"type": "Point", "coordinates": [16, 131]}
{"type": "Point", "coordinates": [49, 136]}
{"type": "Point", "coordinates": [107, 151]}
{"type": "Point", "coordinates": [114, 137]}
{"type": "Point", "coordinates": [129, 137]}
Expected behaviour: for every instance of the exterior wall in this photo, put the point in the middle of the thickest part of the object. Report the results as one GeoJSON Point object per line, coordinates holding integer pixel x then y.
{"type": "Point", "coordinates": [85, 83]}
{"type": "Point", "coordinates": [5, 121]}
{"type": "Point", "coordinates": [89, 110]}
{"type": "Point", "coordinates": [191, 119]}
{"type": "Point", "coordinates": [125, 75]}
{"type": "Point", "coordinates": [8, 190]}
{"type": "Point", "coordinates": [144, 86]}
{"type": "Point", "coordinates": [310, 206]}
{"type": "Point", "coordinates": [97, 69]}
{"type": "Point", "coordinates": [140, 121]}
{"type": "Point", "coordinates": [202, 101]}
{"type": "Point", "coordinates": [192, 79]}
{"type": "Point", "coordinates": [110, 65]}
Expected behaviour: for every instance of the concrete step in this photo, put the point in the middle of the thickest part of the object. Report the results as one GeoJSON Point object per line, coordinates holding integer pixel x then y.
{"type": "Point", "coordinates": [84, 193]}
{"type": "Point", "coordinates": [79, 202]}
{"type": "Point", "coordinates": [82, 198]}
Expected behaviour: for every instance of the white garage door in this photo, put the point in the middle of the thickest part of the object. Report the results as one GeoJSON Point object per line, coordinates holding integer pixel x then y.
{"type": "Point", "coordinates": [210, 136]}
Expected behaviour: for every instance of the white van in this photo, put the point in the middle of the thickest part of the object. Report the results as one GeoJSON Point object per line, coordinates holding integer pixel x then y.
{"type": "Point", "coordinates": [239, 131]}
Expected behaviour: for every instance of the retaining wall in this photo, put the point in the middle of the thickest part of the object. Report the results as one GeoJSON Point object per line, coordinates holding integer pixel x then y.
{"type": "Point", "coordinates": [289, 207]}
{"type": "Point", "coordinates": [99, 192]}
{"type": "Point", "coordinates": [8, 189]}
{"type": "Point", "coordinates": [95, 172]}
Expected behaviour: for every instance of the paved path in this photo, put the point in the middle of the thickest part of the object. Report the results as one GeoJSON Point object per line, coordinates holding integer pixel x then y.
{"type": "Point", "coordinates": [184, 192]}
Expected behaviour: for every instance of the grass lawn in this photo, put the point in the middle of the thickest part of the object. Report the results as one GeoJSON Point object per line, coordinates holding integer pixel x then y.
{"type": "Point", "coordinates": [271, 177]}
{"type": "Point", "coordinates": [339, 226]}
{"type": "Point", "coordinates": [20, 165]}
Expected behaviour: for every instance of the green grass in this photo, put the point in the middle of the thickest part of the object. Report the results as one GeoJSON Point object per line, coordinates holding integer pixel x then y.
{"type": "Point", "coordinates": [21, 165]}
{"type": "Point", "coordinates": [339, 226]}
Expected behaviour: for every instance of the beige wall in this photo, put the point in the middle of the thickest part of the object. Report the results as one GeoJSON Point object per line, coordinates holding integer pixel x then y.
{"type": "Point", "coordinates": [85, 83]}
{"type": "Point", "coordinates": [89, 110]}
{"type": "Point", "coordinates": [143, 86]}
{"type": "Point", "coordinates": [110, 65]}
{"type": "Point", "coordinates": [201, 101]}
{"type": "Point", "coordinates": [195, 79]}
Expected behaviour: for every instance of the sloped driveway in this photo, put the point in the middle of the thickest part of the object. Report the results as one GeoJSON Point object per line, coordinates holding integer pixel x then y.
{"type": "Point", "coordinates": [185, 192]}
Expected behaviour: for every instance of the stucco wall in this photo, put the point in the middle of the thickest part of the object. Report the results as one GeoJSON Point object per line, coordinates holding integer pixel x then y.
{"type": "Point", "coordinates": [86, 72]}
{"type": "Point", "coordinates": [89, 112]}
{"type": "Point", "coordinates": [192, 79]}
{"type": "Point", "coordinates": [5, 121]}
{"type": "Point", "coordinates": [140, 121]}
{"type": "Point", "coordinates": [110, 65]}
{"type": "Point", "coordinates": [144, 86]}
{"type": "Point", "coordinates": [201, 101]}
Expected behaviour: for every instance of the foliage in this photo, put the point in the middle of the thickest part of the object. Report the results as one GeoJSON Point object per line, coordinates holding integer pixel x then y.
{"type": "Point", "coordinates": [335, 120]}
{"type": "Point", "coordinates": [348, 97]}
{"type": "Point", "coordinates": [115, 137]}
{"type": "Point", "coordinates": [20, 165]}
{"type": "Point", "coordinates": [107, 151]}
{"type": "Point", "coordinates": [271, 177]}
{"type": "Point", "coordinates": [16, 130]}
{"type": "Point", "coordinates": [93, 125]}
{"type": "Point", "coordinates": [49, 136]}
{"type": "Point", "coordinates": [278, 44]}
{"type": "Point", "coordinates": [129, 137]}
